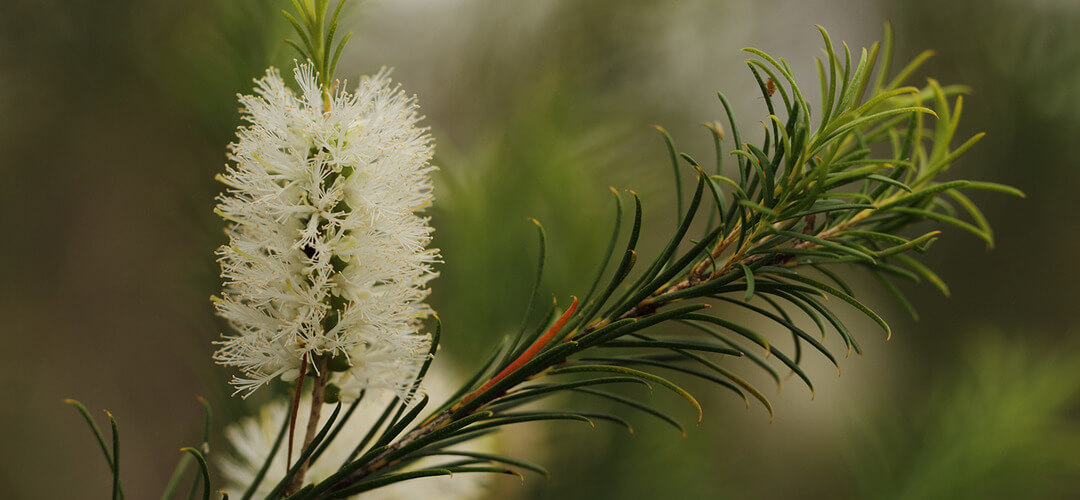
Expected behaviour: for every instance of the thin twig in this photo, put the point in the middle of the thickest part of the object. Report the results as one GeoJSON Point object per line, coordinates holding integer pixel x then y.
{"type": "Point", "coordinates": [295, 408]}
{"type": "Point", "coordinates": [318, 392]}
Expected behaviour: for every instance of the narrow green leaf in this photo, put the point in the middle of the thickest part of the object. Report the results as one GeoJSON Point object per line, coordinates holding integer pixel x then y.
{"type": "Point", "coordinates": [758, 360]}
{"type": "Point", "coordinates": [645, 322]}
{"type": "Point", "coordinates": [835, 278]}
{"type": "Point", "coordinates": [671, 363]}
{"type": "Point", "coordinates": [873, 235]}
{"type": "Point", "coordinates": [203, 468]}
{"type": "Point", "coordinates": [634, 373]}
{"type": "Point", "coordinates": [920, 243]}
{"type": "Point", "coordinates": [93, 427]}
{"type": "Point", "coordinates": [675, 169]}
{"type": "Point", "coordinates": [627, 263]}
{"type": "Point", "coordinates": [610, 249]}
{"type": "Point", "coordinates": [533, 391]}
{"type": "Point", "coordinates": [310, 53]}
{"type": "Point", "coordinates": [748, 275]}
{"type": "Point", "coordinates": [952, 221]}
{"type": "Point", "coordinates": [823, 207]}
{"type": "Point", "coordinates": [905, 73]}
{"type": "Point", "coordinates": [117, 491]}
{"type": "Point", "coordinates": [886, 63]}
{"type": "Point", "coordinates": [925, 272]}
{"type": "Point", "coordinates": [388, 479]}
{"type": "Point", "coordinates": [833, 245]}
{"type": "Point", "coordinates": [794, 329]}
{"type": "Point", "coordinates": [836, 293]}
{"type": "Point", "coordinates": [473, 383]}
{"type": "Point", "coordinates": [843, 129]}
{"type": "Point", "coordinates": [384, 417]}
{"type": "Point", "coordinates": [337, 51]}
{"type": "Point", "coordinates": [520, 339]}
{"type": "Point", "coordinates": [340, 424]}
{"type": "Point", "coordinates": [663, 258]}
{"type": "Point", "coordinates": [733, 122]}
{"type": "Point", "coordinates": [897, 294]}
{"type": "Point", "coordinates": [921, 193]}
{"type": "Point", "coordinates": [993, 186]}
{"type": "Point", "coordinates": [491, 458]}
{"type": "Point", "coordinates": [525, 417]}
{"type": "Point", "coordinates": [299, 50]}
{"type": "Point", "coordinates": [669, 343]}
{"type": "Point", "coordinates": [400, 425]}
{"type": "Point", "coordinates": [737, 328]}
{"type": "Point", "coordinates": [636, 405]}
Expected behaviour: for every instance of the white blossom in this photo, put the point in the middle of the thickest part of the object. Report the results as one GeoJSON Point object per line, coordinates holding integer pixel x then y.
{"type": "Point", "coordinates": [326, 254]}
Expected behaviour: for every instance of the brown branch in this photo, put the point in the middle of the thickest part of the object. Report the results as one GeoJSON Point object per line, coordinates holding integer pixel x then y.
{"type": "Point", "coordinates": [318, 390]}
{"type": "Point", "coordinates": [295, 408]}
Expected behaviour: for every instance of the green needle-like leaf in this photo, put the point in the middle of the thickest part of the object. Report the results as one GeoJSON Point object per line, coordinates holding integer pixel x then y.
{"type": "Point", "coordinates": [634, 373]}
{"type": "Point", "coordinates": [203, 468]}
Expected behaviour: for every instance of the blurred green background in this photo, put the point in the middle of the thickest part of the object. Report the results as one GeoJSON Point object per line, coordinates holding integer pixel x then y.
{"type": "Point", "coordinates": [116, 113]}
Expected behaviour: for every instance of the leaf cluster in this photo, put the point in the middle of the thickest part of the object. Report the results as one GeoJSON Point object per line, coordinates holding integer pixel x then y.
{"type": "Point", "coordinates": [837, 188]}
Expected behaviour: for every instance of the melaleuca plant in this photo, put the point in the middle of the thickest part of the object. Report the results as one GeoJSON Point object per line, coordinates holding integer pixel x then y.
{"type": "Point", "coordinates": [326, 269]}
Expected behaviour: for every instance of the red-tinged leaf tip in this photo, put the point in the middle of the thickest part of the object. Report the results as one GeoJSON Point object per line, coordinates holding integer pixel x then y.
{"type": "Point", "coordinates": [534, 221]}
{"type": "Point", "coordinates": [613, 190]}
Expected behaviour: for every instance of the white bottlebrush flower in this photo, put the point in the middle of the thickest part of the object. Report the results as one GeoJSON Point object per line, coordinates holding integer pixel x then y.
{"type": "Point", "coordinates": [252, 439]}
{"type": "Point", "coordinates": [326, 254]}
